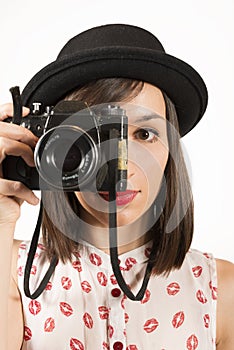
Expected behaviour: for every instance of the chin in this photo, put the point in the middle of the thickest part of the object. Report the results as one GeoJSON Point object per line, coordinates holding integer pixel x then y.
{"type": "Point", "coordinates": [124, 219]}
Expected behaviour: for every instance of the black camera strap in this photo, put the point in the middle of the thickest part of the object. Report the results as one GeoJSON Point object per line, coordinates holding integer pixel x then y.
{"type": "Point", "coordinates": [113, 242]}
{"type": "Point", "coordinates": [31, 254]}
{"type": "Point", "coordinates": [115, 261]}
{"type": "Point", "coordinates": [17, 105]}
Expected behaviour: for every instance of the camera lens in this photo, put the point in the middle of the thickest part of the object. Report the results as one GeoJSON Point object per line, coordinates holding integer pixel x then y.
{"type": "Point", "coordinates": [67, 157]}
{"type": "Point", "coordinates": [72, 160]}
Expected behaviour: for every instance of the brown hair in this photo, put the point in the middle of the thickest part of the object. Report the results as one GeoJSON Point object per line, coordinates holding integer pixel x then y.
{"type": "Point", "coordinates": [170, 245]}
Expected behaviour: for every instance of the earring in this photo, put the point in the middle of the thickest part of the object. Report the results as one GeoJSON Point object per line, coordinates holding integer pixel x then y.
{"type": "Point", "coordinates": [155, 211]}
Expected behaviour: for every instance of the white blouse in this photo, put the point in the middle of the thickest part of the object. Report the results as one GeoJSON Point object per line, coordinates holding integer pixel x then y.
{"type": "Point", "coordinates": [82, 307]}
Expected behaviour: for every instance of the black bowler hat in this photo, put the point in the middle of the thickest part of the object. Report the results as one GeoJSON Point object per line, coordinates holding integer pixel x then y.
{"type": "Point", "coordinates": [120, 50]}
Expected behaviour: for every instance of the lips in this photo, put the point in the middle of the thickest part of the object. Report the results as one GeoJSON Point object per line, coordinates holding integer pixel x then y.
{"type": "Point", "coordinates": [201, 297]}
{"type": "Point", "coordinates": [150, 325]}
{"type": "Point", "coordinates": [146, 297]}
{"type": "Point", "coordinates": [178, 319]}
{"type": "Point", "coordinates": [102, 279]}
{"type": "Point", "coordinates": [173, 288]}
{"type": "Point", "coordinates": [122, 198]}
{"type": "Point", "coordinates": [66, 309]}
{"type": "Point", "coordinates": [66, 282]}
{"type": "Point", "coordinates": [88, 321]}
{"type": "Point", "coordinates": [76, 344]}
{"type": "Point", "coordinates": [34, 307]}
{"type": "Point", "coordinates": [49, 325]}
{"type": "Point", "coordinates": [103, 312]}
{"type": "Point", "coordinates": [192, 342]}
{"type": "Point", "coordinates": [197, 271]}
{"type": "Point", "coordinates": [27, 333]}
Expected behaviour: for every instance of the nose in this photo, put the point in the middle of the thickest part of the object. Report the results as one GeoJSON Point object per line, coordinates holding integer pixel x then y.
{"type": "Point", "coordinates": [132, 159]}
{"type": "Point", "coordinates": [131, 169]}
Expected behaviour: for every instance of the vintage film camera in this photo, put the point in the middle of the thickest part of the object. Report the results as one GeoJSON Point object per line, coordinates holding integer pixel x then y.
{"type": "Point", "coordinates": [76, 146]}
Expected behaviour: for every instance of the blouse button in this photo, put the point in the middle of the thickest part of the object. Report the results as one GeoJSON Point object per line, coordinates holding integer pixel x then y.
{"type": "Point", "coordinates": [116, 293]}
{"type": "Point", "coordinates": [118, 345]}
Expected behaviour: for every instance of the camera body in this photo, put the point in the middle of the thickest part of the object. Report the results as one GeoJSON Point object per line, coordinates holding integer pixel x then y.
{"type": "Point", "coordinates": [75, 148]}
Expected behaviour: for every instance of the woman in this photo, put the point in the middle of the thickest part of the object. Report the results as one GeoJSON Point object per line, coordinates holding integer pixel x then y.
{"type": "Point", "coordinates": [83, 305]}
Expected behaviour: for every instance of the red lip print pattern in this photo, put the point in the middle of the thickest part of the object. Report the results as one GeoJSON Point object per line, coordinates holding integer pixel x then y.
{"type": "Point", "coordinates": [105, 346]}
{"type": "Point", "coordinates": [49, 286]}
{"type": "Point", "coordinates": [103, 312]}
{"type": "Point", "coordinates": [110, 331]}
{"type": "Point", "coordinates": [66, 309]}
{"type": "Point", "coordinates": [20, 271]}
{"type": "Point", "coordinates": [66, 282]}
{"type": "Point", "coordinates": [76, 344]}
{"type": "Point", "coordinates": [146, 297]}
{"type": "Point", "coordinates": [33, 270]}
{"type": "Point", "coordinates": [113, 279]}
{"type": "Point", "coordinates": [79, 298]}
{"type": "Point", "coordinates": [88, 321]}
{"type": "Point", "coordinates": [192, 342]}
{"type": "Point", "coordinates": [214, 291]}
{"type": "Point", "coordinates": [130, 262]}
{"type": "Point", "coordinates": [86, 286]}
{"type": "Point", "coordinates": [178, 319]}
{"type": "Point", "coordinates": [77, 254]}
{"type": "Point", "coordinates": [41, 246]}
{"type": "Point", "coordinates": [49, 325]}
{"type": "Point", "coordinates": [77, 265]}
{"type": "Point", "coordinates": [173, 288]}
{"type": "Point", "coordinates": [22, 246]}
{"type": "Point", "coordinates": [126, 317]}
{"type": "Point", "coordinates": [27, 333]}
{"type": "Point", "coordinates": [95, 259]}
{"type": "Point", "coordinates": [201, 297]}
{"type": "Point", "coordinates": [197, 271]}
{"type": "Point", "coordinates": [206, 319]}
{"type": "Point", "coordinates": [102, 279]}
{"type": "Point", "coordinates": [34, 307]}
{"type": "Point", "coordinates": [150, 325]}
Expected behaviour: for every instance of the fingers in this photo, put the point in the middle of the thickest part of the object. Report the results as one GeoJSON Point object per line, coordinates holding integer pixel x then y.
{"type": "Point", "coordinates": [15, 148]}
{"type": "Point", "coordinates": [19, 133]}
{"type": "Point", "coordinates": [17, 141]}
{"type": "Point", "coordinates": [6, 110]}
{"type": "Point", "coordinates": [15, 132]}
{"type": "Point", "coordinates": [17, 190]}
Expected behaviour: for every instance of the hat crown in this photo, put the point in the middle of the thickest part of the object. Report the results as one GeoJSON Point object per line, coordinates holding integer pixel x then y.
{"type": "Point", "coordinates": [117, 35]}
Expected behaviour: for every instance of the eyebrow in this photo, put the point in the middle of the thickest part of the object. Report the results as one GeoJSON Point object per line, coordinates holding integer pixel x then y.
{"type": "Point", "coordinates": [148, 117]}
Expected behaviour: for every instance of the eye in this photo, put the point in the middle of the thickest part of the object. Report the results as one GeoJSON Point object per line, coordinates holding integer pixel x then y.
{"type": "Point", "coordinates": [147, 134]}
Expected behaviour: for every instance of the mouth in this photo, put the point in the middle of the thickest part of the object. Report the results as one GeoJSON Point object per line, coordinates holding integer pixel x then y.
{"type": "Point", "coordinates": [122, 198]}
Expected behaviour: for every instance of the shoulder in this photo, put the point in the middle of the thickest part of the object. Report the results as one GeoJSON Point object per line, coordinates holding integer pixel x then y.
{"type": "Point", "coordinates": [225, 271]}
{"type": "Point", "coordinates": [225, 304]}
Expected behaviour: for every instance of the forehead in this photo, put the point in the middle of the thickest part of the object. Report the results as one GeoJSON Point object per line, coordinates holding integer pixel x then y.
{"type": "Point", "coordinates": [148, 102]}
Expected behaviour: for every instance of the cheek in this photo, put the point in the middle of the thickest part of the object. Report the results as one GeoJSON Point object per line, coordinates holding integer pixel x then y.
{"type": "Point", "coordinates": [152, 164]}
{"type": "Point", "coordinates": [92, 202]}
{"type": "Point", "coordinates": [154, 171]}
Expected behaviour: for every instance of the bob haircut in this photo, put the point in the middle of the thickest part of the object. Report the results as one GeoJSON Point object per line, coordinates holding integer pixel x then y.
{"type": "Point", "coordinates": [170, 245]}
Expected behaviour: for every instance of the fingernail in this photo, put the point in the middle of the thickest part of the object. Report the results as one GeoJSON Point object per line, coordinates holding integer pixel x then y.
{"type": "Point", "coordinates": [26, 110]}
{"type": "Point", "coordinates": [36, 200]}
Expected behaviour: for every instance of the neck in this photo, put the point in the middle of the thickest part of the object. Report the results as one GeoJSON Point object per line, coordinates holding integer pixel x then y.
{"type": "Point", "coordinates": [129, 237]}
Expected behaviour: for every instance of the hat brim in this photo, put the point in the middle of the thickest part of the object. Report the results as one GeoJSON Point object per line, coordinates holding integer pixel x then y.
{"type": "Point", "coordinates": [183, 85]}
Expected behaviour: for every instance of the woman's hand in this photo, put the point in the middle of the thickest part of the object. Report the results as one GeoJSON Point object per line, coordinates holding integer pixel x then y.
{"type": "Point", "coordinates": [15, 140]}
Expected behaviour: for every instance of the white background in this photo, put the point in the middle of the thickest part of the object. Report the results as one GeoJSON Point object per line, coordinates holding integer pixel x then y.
{"type": "Point", "coordinates": [199, 32]}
